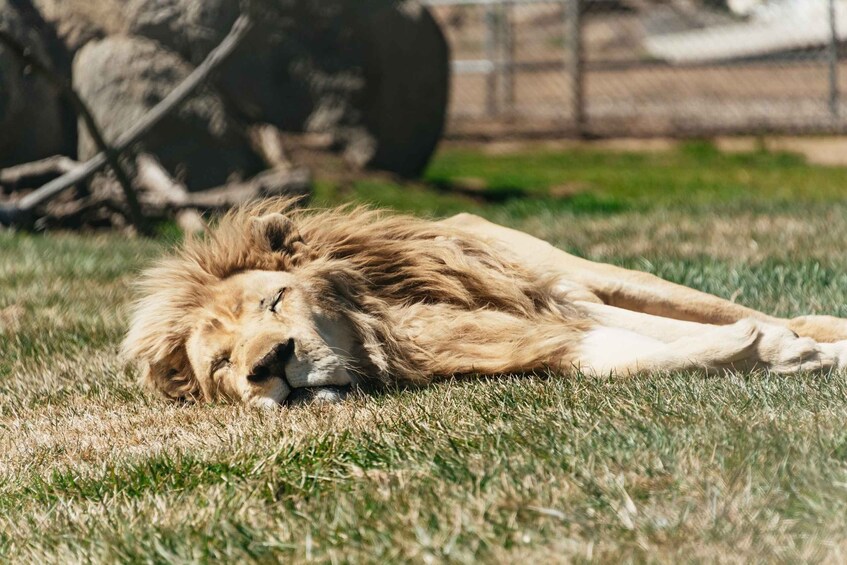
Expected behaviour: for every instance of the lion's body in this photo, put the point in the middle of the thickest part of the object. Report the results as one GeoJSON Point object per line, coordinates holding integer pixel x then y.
{"type": "Point", "coordinates": [312, 299]}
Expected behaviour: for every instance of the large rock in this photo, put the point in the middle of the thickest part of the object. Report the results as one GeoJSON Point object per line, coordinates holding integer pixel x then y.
{"type": "Point", "coordinates": [404, 100]}
{"type": "Point", "coordinates": [31, 125]}
{"type": "Point", "coordinates": [374, 73]}
{"type": "Point", "coordinates": [121, 78]}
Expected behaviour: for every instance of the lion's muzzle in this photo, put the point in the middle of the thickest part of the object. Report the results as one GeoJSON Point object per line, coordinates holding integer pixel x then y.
{"type": "Point", "coordinates": [273, 363]}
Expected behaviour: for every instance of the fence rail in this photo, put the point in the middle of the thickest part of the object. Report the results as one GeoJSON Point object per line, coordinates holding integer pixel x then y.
{"type": "Point", "coordinates": [643, 68]}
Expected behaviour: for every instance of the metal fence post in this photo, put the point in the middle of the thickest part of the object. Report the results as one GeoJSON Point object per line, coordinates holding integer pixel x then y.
{"type": "Point", "coordinates": [834, 95]}
{"type": "Point", "coordinates": [491, 54]}
{"type": "Point", "coordinates": [574, 63]}
{"type": "Point", "coordinates": [507, 58]}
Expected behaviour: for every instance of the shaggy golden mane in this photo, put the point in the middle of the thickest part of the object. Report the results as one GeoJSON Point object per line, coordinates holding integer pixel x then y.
{"type": "Point", "coordinates": [424, 299]}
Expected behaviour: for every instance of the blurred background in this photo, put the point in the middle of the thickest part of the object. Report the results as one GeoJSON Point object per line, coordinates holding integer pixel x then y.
{"type": "Point", "coordinates": [337, 91]}
{"type": "Point", "coordinates": [644, 67]}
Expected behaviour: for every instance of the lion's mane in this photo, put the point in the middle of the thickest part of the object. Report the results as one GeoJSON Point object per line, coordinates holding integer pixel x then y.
{"type": "Point", "coordinates": [425, 300]}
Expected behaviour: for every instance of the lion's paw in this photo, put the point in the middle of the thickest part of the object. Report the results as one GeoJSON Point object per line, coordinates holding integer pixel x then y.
{"type": "Point", "coordinates": [825, 329]}
{"type": "Point", "coordinates": [783, 351]}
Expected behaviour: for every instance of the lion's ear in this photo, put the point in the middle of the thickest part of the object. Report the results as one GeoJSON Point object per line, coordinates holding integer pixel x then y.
{"type": "Point", "coordinates": [280, 235]}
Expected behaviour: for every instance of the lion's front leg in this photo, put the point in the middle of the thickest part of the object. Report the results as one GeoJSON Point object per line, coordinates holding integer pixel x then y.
{"type": "Point", "coordinates": [442, 340]}
{"type": "Point", "coordinates": [625, 342]}
{"type": "Point", "coordinates": [608, 350]}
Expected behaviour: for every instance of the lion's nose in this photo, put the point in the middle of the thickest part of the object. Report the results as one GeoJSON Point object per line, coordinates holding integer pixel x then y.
{"type": "Point", "coordinates": [273, 363]}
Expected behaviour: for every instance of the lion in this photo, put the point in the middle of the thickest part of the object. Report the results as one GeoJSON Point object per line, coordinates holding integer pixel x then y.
{"type": "Point", "coordinates": [277, 305]}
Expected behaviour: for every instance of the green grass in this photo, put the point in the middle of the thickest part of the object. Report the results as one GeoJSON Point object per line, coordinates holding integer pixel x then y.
{"type": "Point", "coordinates": [695, 178]}
{"type": "Point", "coordinates": [665, 467]}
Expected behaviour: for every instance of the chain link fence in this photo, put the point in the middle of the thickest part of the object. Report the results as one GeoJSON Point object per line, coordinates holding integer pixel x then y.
{"type": "Point", "coordinates": [645, 67]}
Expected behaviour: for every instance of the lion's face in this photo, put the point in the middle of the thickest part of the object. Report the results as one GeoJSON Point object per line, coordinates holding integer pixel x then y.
{"type": "Point", "coordinates": [265, 335]}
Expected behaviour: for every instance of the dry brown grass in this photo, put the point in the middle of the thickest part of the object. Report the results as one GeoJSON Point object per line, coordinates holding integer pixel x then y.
{"type": "Point", "coordinates": [541, 469]}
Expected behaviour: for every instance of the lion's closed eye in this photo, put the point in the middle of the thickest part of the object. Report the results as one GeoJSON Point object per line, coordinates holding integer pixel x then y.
{"type": "Point", "coordinates": [274, 301]}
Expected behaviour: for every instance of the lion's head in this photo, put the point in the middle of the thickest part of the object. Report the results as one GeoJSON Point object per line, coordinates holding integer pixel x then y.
{"type": "Point", "coordinates": [275, 301]}
{"type": "Point", "coordinates": [267, 333]}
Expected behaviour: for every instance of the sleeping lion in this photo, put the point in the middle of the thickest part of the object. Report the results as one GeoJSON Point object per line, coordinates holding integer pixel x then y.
{"type": "Point", "coordinates": [279, 305]}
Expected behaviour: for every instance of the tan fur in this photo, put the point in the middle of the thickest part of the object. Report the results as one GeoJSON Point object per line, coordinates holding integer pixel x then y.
{"type": "Point", "coordinates": [314, 299]}
{"type": "Point", "coordinates": [423, 299]}
{"type": "Point", "coordinates": [633, 290]}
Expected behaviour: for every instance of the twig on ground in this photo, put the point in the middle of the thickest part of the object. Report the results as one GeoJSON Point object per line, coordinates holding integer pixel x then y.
{"type": "Point", "coordinates": [158, 183]}
{"type": "Point", "coordinates": [162, 192]}
{"type": "Point", "coordinates": [296, 182]}
{"type": "Point", "coordinates": [162, 197]}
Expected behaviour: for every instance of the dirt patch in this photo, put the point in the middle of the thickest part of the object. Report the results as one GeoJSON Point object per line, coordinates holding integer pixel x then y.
{"type": "Point", "coordinates": [828, 151]}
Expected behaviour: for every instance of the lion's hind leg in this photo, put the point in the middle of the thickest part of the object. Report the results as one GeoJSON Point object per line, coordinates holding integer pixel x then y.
{"type": "Point", "coordinates": [634, 290]}
{"type": "Point", "coordinates": [822, 328]}
{"type": "Point", "coordinates": [625, 342]}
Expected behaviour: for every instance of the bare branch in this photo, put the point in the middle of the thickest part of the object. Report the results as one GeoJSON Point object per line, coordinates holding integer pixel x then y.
{"type": "Point", "coordinates": [271, 183]}
{"type": "Point", "coordinates": [267, 141]}
{"type": "Point", "coordinates": [158, 183]}
{"type": "Point", "coordinates": [21, 175]}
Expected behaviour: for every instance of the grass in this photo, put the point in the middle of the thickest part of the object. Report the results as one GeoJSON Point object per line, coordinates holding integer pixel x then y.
{"type": "Point", "coordinates": [666, 467]}
{"type": "Point", "coordinates": [694, 178]}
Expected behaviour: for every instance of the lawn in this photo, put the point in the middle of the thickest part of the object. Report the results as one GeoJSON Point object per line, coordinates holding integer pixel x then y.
{"type": "Point", "coordinates": [664, 467]}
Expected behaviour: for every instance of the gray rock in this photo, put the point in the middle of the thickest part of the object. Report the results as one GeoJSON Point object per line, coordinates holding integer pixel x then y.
{"type": "Point", "coordinates": [31, 125]}
{"type": "Point", "coordinates": [373, 73]}
{"type": "Point", "coordinates": [122, 78]}
{"type": "Point", "coordinates": [404, 102]}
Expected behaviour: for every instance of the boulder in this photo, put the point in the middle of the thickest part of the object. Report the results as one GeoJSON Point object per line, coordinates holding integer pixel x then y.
{"type": "Point", "coordinates": [31, 124]}
{"type": "Point", "coordinates": [404, 100]}
{"type": "Point", "coordinates": [373, 73]}
{"type": "Point", "coordinates": [121, 78]}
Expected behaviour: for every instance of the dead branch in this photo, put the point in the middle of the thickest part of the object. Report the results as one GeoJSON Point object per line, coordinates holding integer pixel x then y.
{"type": "Point", "coordinates": [104, 205]}
{"type": "Point", "coordinates": [28, 174]}
{"type": "Point", "coordinates": [161, 196]}
{"type": "Point", "coordinates": [23, 210]}
{"type": "Point", "coordinates": [158, 183]}
{"type": "Point", "coordinates": [267, 141]}
{"type": "Point", "coordinates": [162, 193]}
{"type": "Point", "coordinates": [160, 186]}
{"type": "Point", "coordinates": [264, 185]}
